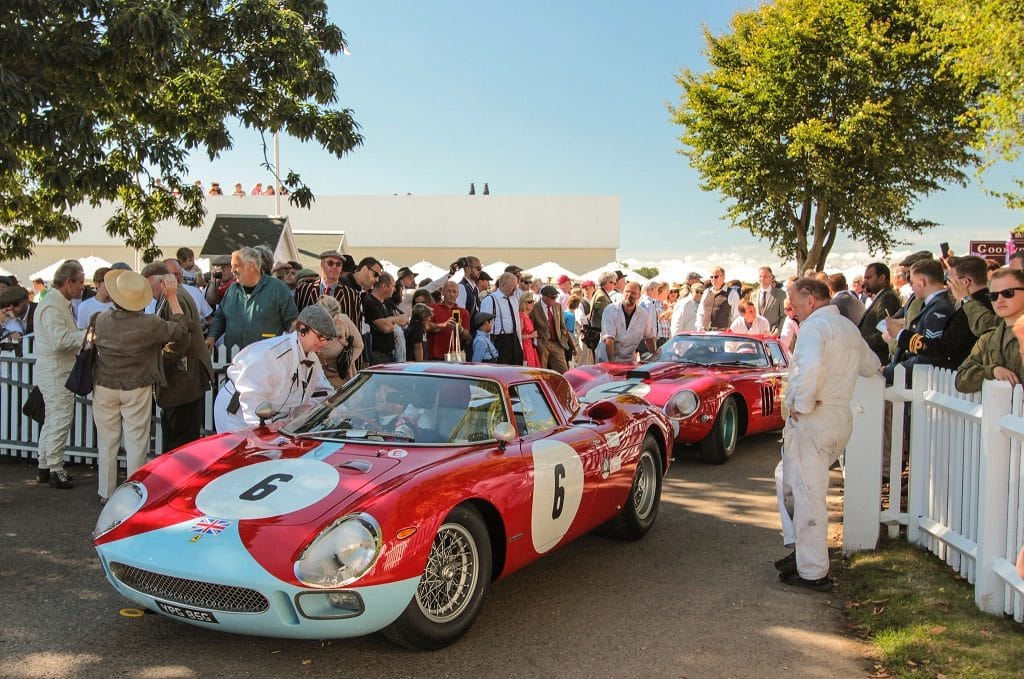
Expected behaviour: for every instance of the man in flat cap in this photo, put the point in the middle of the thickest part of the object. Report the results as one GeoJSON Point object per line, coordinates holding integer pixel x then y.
{"type": "Point", "coordinates": [282, 371]}
{"type": "Point", "coordinates": [221, 278]}
{"type": "Point", "coordinates": [552, 338]}
{"type": "Point", "coordinates": [330, 284]}
{"type": "Point", "coordinates": [18, 313]}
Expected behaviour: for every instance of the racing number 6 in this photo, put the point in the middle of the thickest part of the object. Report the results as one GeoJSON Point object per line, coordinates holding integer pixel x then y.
{"type": "Point", "coordinates": [264, 487]}
{"type": "Point", "coordinates": [559, 502]}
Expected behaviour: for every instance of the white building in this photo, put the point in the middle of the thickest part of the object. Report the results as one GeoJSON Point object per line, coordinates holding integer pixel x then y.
{"type": "Point", "coordinates": [579, 232]}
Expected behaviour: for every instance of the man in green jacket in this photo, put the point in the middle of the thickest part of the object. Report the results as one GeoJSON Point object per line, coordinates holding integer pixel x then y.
{"type": "Point", "coordinates": [255, 307]}
{"type": "Point", "coordinates": [997, 354]}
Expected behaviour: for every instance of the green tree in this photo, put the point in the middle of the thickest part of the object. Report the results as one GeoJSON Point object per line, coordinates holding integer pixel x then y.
{"type": "Point", "coordinates": [650, 272]}
{"type": "Point", "coordinates": [102, 98]}
{"type": "Point", "coordinates": [820, 117]}
{"type": "Point", "coordinates": [980, 41]}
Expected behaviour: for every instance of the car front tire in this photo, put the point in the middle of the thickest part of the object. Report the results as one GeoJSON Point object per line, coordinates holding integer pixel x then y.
{"type": "Point", "coordinates": [451, 591]}
{"type": "Point", "coordinates": [719, 445]}
{"type": "Point", "coordinates": [641, 508]}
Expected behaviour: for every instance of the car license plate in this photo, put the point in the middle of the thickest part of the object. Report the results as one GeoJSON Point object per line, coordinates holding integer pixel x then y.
{"type": "Point", "coordinates": [187, 613]}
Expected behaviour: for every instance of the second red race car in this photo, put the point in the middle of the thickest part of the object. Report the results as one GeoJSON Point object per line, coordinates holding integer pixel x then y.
{"type": "Point", "coordinates": [715, 386]}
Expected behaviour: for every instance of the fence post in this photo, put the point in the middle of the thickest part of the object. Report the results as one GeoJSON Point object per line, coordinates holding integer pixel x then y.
{"type": "Point", "coordinates": [918, 481]}
{"type": "Point", "coordinates": [996, 398]}
{"type": "Point", "coordinates": [862, 495]}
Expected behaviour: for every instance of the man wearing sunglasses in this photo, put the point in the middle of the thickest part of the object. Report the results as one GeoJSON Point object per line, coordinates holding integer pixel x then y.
{"type": "Point", "coordinates": [720, 304]}
{"type": "Point", "coordinates": [282, 371]}
{"type": "Point", "coordinates": [940, 335]}
{"type": "Point", "coordinates": [997, 355]}
{"type": "Point", "coordinates": [333, 283]}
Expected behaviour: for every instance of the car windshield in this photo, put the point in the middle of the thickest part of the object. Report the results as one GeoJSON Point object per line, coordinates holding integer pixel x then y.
{"type": "Point", "coordinates": [712, 350]}
{"type": "Point", "coordinates": [407, 408]}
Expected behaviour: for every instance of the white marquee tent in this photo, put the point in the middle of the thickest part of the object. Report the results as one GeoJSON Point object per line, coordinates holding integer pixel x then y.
{"type": "Point", "coordinates": [89, 265]}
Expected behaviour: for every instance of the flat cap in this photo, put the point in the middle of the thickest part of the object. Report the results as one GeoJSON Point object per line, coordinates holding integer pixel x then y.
{"type": "Point", "coordinates": [331, 253]}
{"type": "Point", "coordinates": [482, 317]}
{"type": "Point", "coordinates": [549, 291]}
{"type": "Point", "coordinates": [221, 260]}
{"type": "Point", "coordinates": [316, 318]}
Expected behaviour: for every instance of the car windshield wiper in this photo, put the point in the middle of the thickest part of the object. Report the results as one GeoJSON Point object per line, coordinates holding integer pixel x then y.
{"type": "Point", "coordinates": [745, 364]}
{"type": "Point", "coordinates": [321, 432]}
{"type": "Point", "coordinates": [383, 435]}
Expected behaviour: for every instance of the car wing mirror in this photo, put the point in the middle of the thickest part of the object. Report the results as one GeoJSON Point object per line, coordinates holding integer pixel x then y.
{"type": "Point", "coordinates": [265, 411]}
{"type": "Point", "coordinates": [504, 432]}
{"type": "Point", "coordinates": [601, 411]}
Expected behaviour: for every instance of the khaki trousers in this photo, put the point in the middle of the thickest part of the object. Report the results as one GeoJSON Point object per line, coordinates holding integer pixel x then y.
{"type": "Point", "coordinates": [117, 412]}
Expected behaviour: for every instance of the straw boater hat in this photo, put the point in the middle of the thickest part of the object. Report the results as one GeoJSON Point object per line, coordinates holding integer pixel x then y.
{"type": "Point", "coordinates": [128, 289]}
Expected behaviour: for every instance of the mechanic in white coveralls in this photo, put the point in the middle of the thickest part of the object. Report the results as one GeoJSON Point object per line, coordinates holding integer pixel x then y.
{"type": "Point", "coordinates": [829, 355]}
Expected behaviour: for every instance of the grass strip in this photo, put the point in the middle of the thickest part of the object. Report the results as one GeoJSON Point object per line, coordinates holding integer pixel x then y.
{"type": "Point", "coordinates": [921, 618]}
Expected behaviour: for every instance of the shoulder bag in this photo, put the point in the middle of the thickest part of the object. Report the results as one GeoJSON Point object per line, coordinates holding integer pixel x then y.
{"type": "Point", "coordinates": [80, 379]}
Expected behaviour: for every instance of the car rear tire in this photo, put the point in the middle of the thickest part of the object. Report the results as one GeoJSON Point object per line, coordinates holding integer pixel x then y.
{"type": "Point", "coordinates": [719, 445]}
{"type": "Point", "coordinates": [641, 508]}
{"type": "Point", "coordinates": [451, 591]}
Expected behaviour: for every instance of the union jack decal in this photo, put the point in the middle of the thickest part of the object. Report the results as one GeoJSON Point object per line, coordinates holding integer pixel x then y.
{"type": "Point", "coordinates": [208, 526]}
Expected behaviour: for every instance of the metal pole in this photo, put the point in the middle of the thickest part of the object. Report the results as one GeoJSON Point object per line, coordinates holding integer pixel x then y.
{"type": "Point", "coordinates": [277, 175]}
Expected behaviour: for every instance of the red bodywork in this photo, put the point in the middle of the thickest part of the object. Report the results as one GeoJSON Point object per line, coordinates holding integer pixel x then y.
{"type": "Point", "coordinates": [413, 492]}
{"type": "Point", "coordinates": [759, 389]}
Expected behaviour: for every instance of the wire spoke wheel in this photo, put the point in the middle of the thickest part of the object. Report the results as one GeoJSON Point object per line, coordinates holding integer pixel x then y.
{"type": "Point", "coordinates": [451, 575]}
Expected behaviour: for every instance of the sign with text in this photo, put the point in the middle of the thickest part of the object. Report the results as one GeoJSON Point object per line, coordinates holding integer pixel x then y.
{"type": "Point", "coordinates": [989, 248]}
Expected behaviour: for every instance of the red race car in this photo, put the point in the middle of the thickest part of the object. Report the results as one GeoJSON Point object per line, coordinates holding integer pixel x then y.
{"type": "Point", "coordinates": [391, 507]}
{"type": "Point", "coordinates": [715, 386]}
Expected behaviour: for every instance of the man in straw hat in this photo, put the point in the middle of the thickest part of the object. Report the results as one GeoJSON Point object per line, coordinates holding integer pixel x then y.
{"type": "Point", "coordinates": [282, 371]}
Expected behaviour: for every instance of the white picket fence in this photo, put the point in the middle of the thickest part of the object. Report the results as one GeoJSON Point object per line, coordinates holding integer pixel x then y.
{"type": "Point", "coordinates": [965, 500]}
{"type": "Point", "coordinates": [19, 435]}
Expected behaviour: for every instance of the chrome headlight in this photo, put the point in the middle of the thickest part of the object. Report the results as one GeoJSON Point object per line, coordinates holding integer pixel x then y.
{"type": "Point", "coordinates": [122, 503]}
{"type": "Point", "coordinates": [683, 404]}
{"type": "Point", "coordinates": [343, 552]}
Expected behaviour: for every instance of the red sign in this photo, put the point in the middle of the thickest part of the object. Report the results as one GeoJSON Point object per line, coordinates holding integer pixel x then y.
{"type": "Point", "coordinates": [989, 248]}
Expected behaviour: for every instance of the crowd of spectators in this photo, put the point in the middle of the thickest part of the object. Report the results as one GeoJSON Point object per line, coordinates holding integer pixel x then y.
{"type": "Point", "coordinates": [939, 311]}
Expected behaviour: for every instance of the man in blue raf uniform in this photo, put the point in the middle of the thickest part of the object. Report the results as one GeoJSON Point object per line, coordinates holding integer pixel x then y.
{"type": "Point", "coordinates": [927, 280]}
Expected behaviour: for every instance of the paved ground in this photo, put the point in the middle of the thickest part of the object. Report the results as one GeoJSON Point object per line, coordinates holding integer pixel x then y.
{"type": "Point", "coordinates": [698, 597]}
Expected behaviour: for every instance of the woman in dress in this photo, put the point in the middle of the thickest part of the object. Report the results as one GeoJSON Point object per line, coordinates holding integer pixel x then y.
{"type": "Point", "coordinates": [339, 354]}
{"type": "Point", "coordinates": [530, 356]}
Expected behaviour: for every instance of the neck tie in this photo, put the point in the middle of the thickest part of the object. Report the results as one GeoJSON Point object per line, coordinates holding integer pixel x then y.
{"type": "Point", "coordinates": [764, 300]}
{"type": "Point", "coordinates": [551, 324]}
{"type": "Point", "coordinates": [511, 313]}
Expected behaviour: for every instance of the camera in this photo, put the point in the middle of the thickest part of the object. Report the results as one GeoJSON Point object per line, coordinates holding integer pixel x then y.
{"type": "Point", "coordinates": [217, 274]}
{"type": "Point", "coordinates": [457, 315]}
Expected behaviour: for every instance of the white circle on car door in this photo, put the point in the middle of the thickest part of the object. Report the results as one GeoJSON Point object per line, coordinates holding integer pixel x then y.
{"type": "Point", "coordinates": [557, 492]}
{"type": "Point", "coordinates": [267, 489]}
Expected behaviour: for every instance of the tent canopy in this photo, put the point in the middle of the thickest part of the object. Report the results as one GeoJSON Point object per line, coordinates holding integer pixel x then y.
{"type": "Point", "coordinates": [89, 265]}
{"type": "Point", "coordinates": [550, 271]}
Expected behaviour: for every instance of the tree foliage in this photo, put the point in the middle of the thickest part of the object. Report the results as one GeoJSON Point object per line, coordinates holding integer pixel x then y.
{"type": "Point", "coordinates": [820, 117]}
{"type": "Point", "coordinates": [650, 272]}
{"type": "Point", "coordinates": [103, 97]}
{"type": "Point", "coordinates": [982, 43]}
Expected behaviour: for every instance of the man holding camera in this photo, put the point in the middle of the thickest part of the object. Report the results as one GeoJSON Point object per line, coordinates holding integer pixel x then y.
{"type": "Point", "coordinates": [449, 317]}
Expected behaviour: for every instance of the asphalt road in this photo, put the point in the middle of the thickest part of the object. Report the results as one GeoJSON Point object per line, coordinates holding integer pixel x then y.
{"type": "Point", "coordinates": [697, 597]}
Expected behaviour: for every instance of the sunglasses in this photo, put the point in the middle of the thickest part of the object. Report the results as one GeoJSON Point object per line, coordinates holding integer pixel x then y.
{"type": "Point", "coordinates": [1008, 293]}
{"type": "Point", "coordinates": [332, 263]}
{"type": "Point", "coordinates": [319, 336]}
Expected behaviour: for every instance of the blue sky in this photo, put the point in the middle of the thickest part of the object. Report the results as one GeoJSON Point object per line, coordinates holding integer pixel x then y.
{"type": "Point", "coordinates": [532, 97]}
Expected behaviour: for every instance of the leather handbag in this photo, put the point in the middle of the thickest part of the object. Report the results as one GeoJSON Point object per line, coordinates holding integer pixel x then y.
{"type": "Point", "coordinates": [80, 379]}
{"type": "Point", "coordinates": [35, 406]}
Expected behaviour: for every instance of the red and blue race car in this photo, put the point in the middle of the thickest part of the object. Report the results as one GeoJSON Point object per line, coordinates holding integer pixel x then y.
{"type": "Point", "coordinates": [716, 387]}
{"type": "Point", "coordinates": [391, 507]}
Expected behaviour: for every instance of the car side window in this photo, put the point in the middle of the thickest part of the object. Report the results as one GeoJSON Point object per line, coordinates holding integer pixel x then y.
{"type": "Point", "coordinates": [531, 409]}
{"type": "Point", "coordinates": [778, 356]}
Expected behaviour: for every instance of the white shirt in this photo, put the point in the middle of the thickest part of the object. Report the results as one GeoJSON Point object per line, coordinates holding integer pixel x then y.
{"type": "Point", "coordinates": [761, 326]}
{"type": "Point", "coordinates": [684, 316]}
{"type": "Point", "coordinates": [89, 307]}
{"type": "Point", "coordinates": [506, 316]}
{"type": "Point", "coordinates": [829, 355]}
{"type": "Point", "coordinates": [270, 370]}
{"type": "Point", "coordinates": [790, 330]}
{"type": "Point", "coordinates": [613, 324]}
{"type": "Point", "coordinates": [734, 305]}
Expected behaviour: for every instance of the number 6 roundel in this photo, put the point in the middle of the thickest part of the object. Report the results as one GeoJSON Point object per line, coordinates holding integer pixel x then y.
{"type": "Point", "coordinates": [267, 489]}
{"type": "Point", "coordinates": [557, 492]}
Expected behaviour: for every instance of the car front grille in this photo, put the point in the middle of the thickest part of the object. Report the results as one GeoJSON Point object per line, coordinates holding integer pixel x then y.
{"type": "Point", "coordinates": [191, 592]}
